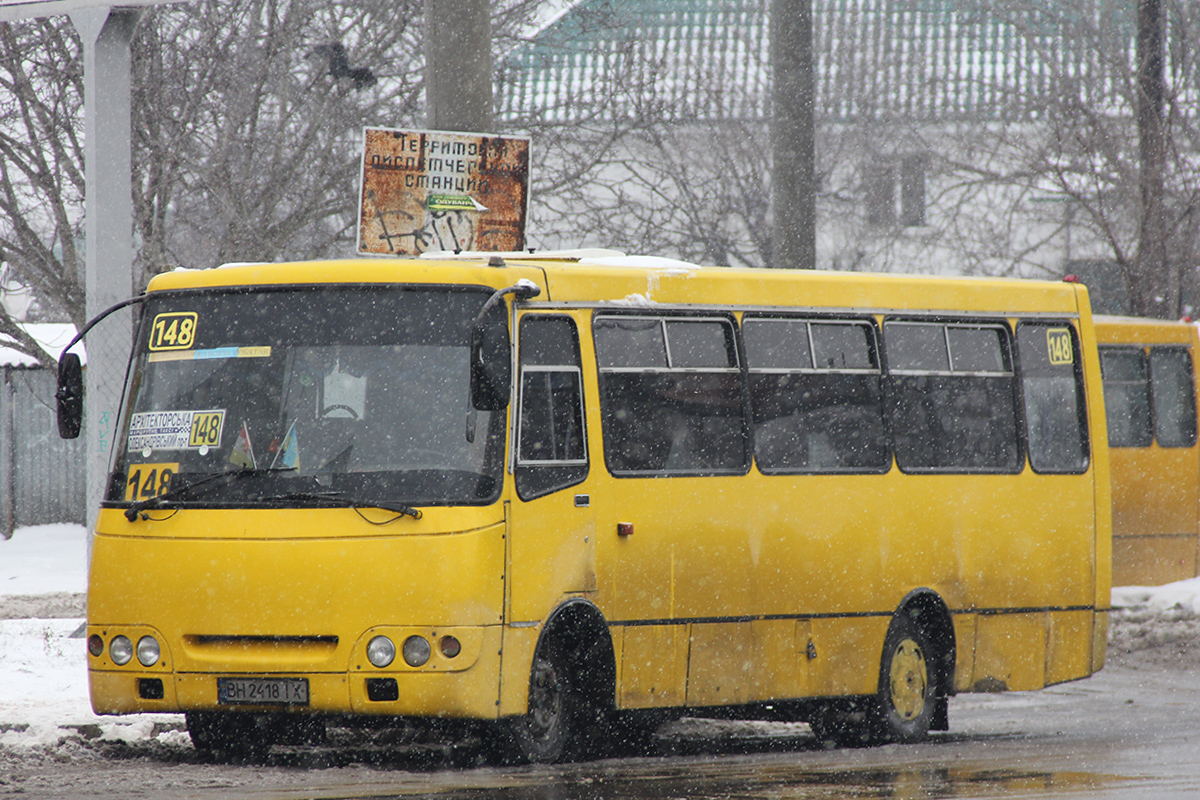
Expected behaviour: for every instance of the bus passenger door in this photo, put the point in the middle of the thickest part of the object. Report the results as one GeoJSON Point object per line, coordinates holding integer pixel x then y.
{"type": "Point", "coordinates": [552, 550]}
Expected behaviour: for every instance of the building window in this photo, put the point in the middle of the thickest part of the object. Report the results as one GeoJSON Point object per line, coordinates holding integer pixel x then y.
{"type": "Point", "coordinates": [912, 191]}
{"type": "Point", "coordinates": [880, 195]}
{"type": "Point", "coordinates": [894, 191]}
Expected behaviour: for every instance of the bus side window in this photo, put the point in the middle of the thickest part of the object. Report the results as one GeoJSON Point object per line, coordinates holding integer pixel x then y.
{"type": "Point", "coordinates": [952, 402]}
{"type": "Point", "coordinates": [670, 395]}
{"type": "Point", "coordinates": [1173, 391]}
{"type": "Point", "coordinates": [551, 441]}
{"type": "Point", "coordinates": [1052, 385]}
{"type": "Point", "coordinates": [816, 395]}
{"type": "Point", "coordinates": [1126, 396]}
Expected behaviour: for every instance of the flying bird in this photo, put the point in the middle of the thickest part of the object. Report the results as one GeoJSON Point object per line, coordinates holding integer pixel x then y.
{"type": "Point", "coordinates": [339, 65]}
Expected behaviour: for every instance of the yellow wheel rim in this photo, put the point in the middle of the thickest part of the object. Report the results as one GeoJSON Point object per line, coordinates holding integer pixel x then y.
{"type": "Point", "coordinates": [909, 679]}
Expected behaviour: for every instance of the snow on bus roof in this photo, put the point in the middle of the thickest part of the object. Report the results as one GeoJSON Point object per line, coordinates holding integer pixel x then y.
{"type": "Point", "coordinates": [520, 255]}
{"type": "Point", "coordinates": [591, 257]}
{"type": "Point", "coordinates": [674, 265]}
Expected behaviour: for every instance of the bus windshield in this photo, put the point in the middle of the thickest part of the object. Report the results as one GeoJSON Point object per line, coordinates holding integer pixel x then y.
{"type": "Point", "coordinates": [327, 392]}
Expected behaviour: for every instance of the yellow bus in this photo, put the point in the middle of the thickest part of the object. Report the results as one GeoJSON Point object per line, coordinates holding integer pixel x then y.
{"type": "Point", "coordinates": [569, 495]}
{"type": "Point", "coordinates": [1148, 369]}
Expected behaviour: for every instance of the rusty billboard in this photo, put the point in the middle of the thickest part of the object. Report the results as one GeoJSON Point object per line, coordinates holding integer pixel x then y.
{"type": "Point", "coordinates": [439, 190]}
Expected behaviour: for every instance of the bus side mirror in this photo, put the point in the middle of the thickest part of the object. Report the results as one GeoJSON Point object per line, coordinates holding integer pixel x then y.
{"type": "Point", "coordinates": [491, 355]}
{"type": "Point", "coordinates": [491, 367]}
{"type": "Point", "coordinates": [70, 396]}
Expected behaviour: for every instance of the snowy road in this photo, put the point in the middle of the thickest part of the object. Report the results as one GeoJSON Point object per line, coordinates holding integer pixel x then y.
{"type": "Point", "coordinates": [1132, 731]}
{"type": "Point", "coordinates": [1129, 732]}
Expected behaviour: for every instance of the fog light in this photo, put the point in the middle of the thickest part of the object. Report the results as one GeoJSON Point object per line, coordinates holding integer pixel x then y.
{"type": "Point", "coordinates": [381, 651]}
{"type": "Point", "coordinates": [147, 651]}
{"type": "Point", "coordinates": [95, 645]}
{"type": "Point", "coordinates": [450, 646]}
{"type": "Point", "coordinates": [120, 650]}
{"type": "Point", "coordinates": [416, 651]}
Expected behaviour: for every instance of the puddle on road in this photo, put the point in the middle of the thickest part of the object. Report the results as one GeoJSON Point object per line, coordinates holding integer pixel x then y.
{"type": "Point", "coordinates": [743, 764]}
{"type": "Point", "coordinates": [773, 781]}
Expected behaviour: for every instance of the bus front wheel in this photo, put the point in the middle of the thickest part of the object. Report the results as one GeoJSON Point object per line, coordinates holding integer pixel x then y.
{"type": "Point", "coordinates": [907, 696]}
{"type": "Point", "coordinates": [249, 736]}
{"type": "Point", "coordinates": [230, 735]}
{"type": "Point", "coordinates": [550, 731]}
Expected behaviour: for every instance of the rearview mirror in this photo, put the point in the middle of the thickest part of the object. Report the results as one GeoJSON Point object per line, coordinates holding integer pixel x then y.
{"type": "Point", "coordinates": [70, 396]}
{"type": "Point", "coordinates": [491, 363]}
{"type": "Point", "coordinates": [491, 352]}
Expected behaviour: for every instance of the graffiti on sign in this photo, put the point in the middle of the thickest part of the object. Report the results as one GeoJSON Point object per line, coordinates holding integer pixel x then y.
{"type": "Point", "coordinates": [432, 190]}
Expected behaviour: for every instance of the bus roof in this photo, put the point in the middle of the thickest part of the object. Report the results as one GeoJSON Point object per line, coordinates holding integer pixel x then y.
{"type": "Point", "coordinates": [1144, 331]}
{"type": "Point", "coordinates": [608, 277]}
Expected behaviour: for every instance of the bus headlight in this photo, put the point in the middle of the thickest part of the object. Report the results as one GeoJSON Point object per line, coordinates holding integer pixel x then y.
{"type": "Point", "coordinates": [381, 651]}
{"type": "Point", "coordinates": [416, 651]}
{"type": "Point", "coordinates": [120, 650]}
{"type": "Point", "coordinates": [95, 645]}
{"type": "Point", "coordinates": [148, 651]}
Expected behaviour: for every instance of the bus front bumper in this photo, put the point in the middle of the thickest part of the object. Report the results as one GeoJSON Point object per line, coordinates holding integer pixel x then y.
{"type": "Point", "coordinates": [433, 690]}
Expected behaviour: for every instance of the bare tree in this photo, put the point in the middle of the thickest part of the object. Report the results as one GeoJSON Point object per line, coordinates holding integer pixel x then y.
{"type": "Point", "coordinates": [247, 130]}
{"type": "Point", "coordinates": [248, 118]}
{"type": "Point", "coordinates": [41, 167]}
{"type": "Point", "coordinates": [248, 124]}
{"type": "Point", "coordinates": [1086, 180]}
{"type": "Point", "coordinates": [1019, 138]}
{"type": "Point", "coordinates": [637, 149]}
{"type": "Point", "coordinates": [697, 193]}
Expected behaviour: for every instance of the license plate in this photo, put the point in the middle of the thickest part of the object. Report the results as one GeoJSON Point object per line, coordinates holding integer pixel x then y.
{"type": "Point", "coordinates": [262, 691]}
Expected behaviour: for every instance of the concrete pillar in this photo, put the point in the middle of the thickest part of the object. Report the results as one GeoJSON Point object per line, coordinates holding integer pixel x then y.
{"type": "Point", "coordinates": [106, 34]}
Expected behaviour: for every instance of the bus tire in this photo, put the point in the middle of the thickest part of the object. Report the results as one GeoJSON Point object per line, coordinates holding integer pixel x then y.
{"type": "Point", "coordinates": [555, 727]}
{"type": "Point", "coordinates": [226, 735]}
{"type": "Point", "coordinates": [908, 683]}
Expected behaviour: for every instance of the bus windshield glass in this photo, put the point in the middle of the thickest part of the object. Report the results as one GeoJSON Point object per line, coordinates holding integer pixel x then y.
{"type": "Point", "coordinates": [324, 393]}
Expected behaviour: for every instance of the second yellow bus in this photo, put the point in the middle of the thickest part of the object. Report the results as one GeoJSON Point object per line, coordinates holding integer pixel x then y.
{"type": "Point", "coordinates": [1149, 375]}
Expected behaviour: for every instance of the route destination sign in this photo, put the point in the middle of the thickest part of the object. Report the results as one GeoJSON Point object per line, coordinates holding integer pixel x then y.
{"type": "Point", "coordinates": [438, 190]}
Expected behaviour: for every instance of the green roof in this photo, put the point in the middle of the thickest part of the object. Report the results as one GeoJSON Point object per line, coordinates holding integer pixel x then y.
{"type": "Point", "coordinates": [708, 59]}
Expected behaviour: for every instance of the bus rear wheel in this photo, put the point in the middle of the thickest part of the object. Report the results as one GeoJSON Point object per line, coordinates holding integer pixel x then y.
{"type": "Point", "coordinates": [907, 697]}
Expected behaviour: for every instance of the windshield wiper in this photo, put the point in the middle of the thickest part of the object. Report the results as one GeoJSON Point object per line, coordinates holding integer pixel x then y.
{"type": "Point", "coordinates": [211, 481]}
{"type": "Point", "coordinates": [355, 503]}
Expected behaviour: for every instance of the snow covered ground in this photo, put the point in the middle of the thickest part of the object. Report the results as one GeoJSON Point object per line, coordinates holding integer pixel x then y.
{"type": "Point", "coordinates": [43, 666]}
{"type": "Point", "coordinates": [43, 670]}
